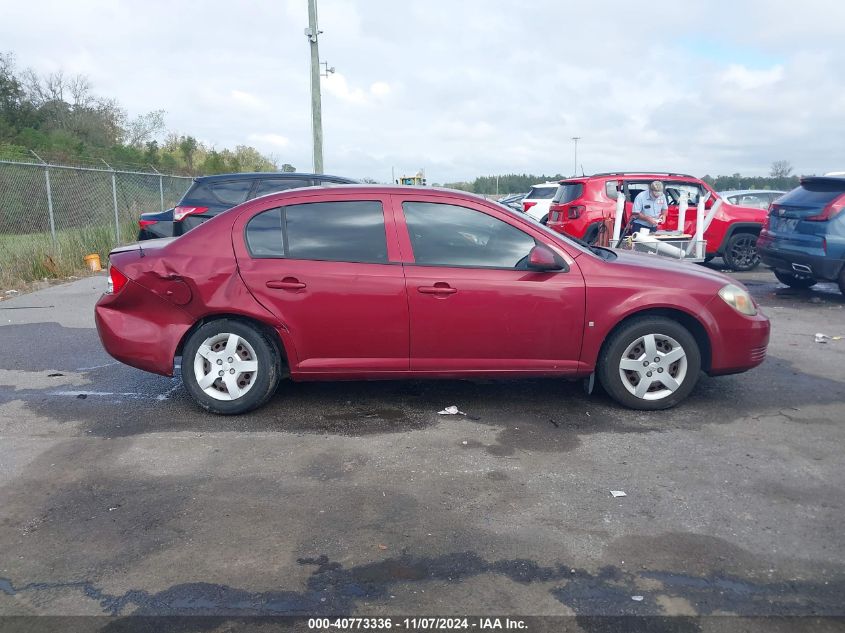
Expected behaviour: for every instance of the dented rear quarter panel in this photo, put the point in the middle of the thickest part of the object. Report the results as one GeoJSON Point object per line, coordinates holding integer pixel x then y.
{"type": "Point", "coordinates": [176, 284]}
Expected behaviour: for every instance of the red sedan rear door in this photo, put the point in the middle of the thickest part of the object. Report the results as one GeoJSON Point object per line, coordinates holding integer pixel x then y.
{"type": "Point", "coordinates": [328, 267]}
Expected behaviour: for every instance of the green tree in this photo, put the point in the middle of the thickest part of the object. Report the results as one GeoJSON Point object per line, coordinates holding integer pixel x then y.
{"type": "Point", "coordinates": [188, 147]}
{"type": "Point", "coordinates": [781, 169]}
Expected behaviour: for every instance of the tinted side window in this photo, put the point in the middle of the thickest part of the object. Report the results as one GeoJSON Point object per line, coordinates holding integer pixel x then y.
{"type": "Point", "coordinates": [264, 234]}
{"type": "Point", "coordinates": [271, 186]}
{"type": "Point", "coordinates": [336, 231]}
{"type": "Point", "coordinates": [199, 193]}
{"type": "Point", "coordinates": [448, 235]}
{"type": "Point", "coordinates": [231, 192]}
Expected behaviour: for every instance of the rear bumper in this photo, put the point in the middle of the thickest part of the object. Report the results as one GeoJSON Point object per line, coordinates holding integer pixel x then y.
{"type": "Point", "coordinates": [140, 328]}
{"type": "Point", "coordinates": [741, 341]}
{"type": "Point", "coordinates": [825, 268]}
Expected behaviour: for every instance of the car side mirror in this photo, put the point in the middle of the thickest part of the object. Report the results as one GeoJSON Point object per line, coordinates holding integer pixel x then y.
{"type": "Point", "coordinates": [541, 258]}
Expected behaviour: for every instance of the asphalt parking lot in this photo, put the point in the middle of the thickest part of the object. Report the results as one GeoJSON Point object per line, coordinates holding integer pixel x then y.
{"type": "Point", "coordinates": [118, 496]}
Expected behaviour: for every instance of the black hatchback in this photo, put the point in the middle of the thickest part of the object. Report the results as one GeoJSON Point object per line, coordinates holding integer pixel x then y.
{"type": "Point", "coordinates": [209, 195]}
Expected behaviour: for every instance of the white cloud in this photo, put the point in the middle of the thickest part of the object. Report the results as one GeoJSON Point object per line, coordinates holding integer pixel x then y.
{"type": "Point", "coordinates": [470, 88]}
{"type": "Point", "coordinates": [274, 140]}
{"type": "Point", "coordinates": [247, 99]}
{"type": "Point", "coordinates": [738, 76]}
{"type": "Point", "coordinates": [337, 86]}
{"type": "Point", "coordinates": [380, 89]}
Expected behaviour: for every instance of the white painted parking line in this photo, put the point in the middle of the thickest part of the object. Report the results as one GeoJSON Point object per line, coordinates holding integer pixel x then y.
{"type": "Point", "coordinates": [131, 394]}
{"type": "Point", "coordinates": [169, 392]}
{"type": "Point", "coordinates": [96, 366]}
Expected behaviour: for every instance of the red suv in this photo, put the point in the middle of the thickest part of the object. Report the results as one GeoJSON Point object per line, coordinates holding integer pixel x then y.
{"type": "Point", "coordinates": [585, 208]}
{"type": "Point", "coordinates": [375, 282]}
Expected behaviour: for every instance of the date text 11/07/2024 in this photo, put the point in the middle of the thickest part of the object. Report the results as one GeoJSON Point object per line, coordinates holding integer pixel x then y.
{"type": "Point", "coordinates": [416, 624]}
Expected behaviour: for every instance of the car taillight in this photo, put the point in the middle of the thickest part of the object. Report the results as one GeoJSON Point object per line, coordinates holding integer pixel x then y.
{"type": "Point", "coordinates": [179, 213]}
{"type": "Point", "coordinates": [575, 211]}
{"type": "Point", "coordinates": [833, 209]}
{"type": "Point", "coordinates": [116, 280]}
{"type": "Point", "coordinates": [145, 223]}
{"type": "Point", "coordinates": [527, 205]}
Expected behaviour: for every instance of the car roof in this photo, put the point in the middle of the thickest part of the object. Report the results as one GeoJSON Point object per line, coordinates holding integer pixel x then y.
{"type": "Point", "coordinates": [367, 189]}
{"type": "Point", "coordinates": [278, 175]}
{"type": "Point", "coordinates": [743, 192]}
{"type": "Point", "coordinates": [640, 174]}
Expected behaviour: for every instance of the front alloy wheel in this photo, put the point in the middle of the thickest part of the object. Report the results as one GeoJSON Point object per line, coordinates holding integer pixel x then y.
{"type": "Point", "coordinates": [653, 366]}
{"type": "Point", "coordinates": [741, 252]}
{"type": "Point", "coordinates": [649, 363]}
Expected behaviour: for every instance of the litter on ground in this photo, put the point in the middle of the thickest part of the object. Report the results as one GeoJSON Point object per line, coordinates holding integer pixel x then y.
{"type": "Point", "coordinates": [617, 493]}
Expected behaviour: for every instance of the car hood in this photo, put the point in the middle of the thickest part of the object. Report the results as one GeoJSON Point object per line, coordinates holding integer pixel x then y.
{"type": "Point", "coordinates": [646, 266]}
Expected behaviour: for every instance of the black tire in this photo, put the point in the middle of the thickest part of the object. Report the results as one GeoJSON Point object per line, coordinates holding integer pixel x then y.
{"type": "Point", "coordinates": [545, 220]}
{"type": "Point", "coordinates": [841, 281]}
{"type": "Point", "coordinates": [741, 252]}
{"type": "Point", "coordinates": [709, 258]}
{"type": "Point", "coordinates": [794, 281]}
{"type": "Point", "coordinates": [259, 386]}
{"type": "Point", "coordinates": [610, 373]}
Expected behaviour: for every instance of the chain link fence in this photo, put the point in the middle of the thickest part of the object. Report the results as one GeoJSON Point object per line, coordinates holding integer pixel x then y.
{"type": "Point", "coordinates": [51, 216]}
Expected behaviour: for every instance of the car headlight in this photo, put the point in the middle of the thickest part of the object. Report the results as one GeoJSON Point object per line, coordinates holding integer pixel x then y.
{"type": "Point", "coordinates": [738, 299]}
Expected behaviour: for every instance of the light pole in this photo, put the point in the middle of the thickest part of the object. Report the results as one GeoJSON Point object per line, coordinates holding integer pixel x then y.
{"type": "Point", "coordinates": [576, 139]}
{"type": "Point", "coordinates": [316, 108]}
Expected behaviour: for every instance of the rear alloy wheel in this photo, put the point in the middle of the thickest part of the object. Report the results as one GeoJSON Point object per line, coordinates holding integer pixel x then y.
{"type": "Point", "coordinates": [229, 367]}
{"type": "Point", "coordinates": [795, 281]}
{"type": "Point", "coordinates": [741, 252]}
{"type": "Point", "coordinates": [650, 363]}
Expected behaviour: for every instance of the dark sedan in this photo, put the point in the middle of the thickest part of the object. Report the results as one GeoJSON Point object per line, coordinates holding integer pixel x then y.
{"type": "Point", "coordinates": [209, 195]}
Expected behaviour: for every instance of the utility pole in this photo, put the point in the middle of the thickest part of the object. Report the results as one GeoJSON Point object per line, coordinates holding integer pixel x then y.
{"type": "Point", "coordinates": [316, 107]}
{"type": "Point", "coordinates": [575, 165]}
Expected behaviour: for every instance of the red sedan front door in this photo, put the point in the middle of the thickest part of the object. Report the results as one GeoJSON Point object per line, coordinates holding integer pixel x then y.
{"type": "Point", "coordinates": [474, 304]}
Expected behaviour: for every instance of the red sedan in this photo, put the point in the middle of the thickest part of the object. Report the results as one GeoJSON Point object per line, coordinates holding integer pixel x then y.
{"type": "Point", "coordinates": [374, 282]}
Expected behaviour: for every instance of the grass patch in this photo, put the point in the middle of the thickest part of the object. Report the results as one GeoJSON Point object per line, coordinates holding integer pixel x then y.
{"type": "Point", "coordinates": [35, 256]}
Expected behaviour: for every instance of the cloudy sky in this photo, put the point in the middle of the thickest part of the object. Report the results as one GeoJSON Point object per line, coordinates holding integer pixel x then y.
{"type": "Point", "coordinates": [472, 87]}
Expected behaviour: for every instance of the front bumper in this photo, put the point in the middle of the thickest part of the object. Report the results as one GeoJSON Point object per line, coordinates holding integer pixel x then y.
{"type": "Point", "coordinates": [740, 342]}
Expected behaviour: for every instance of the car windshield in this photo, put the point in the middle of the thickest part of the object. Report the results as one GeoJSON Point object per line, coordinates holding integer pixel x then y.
{"type": "Point", "coordinates": [541, 193]}
{"type": "Point", "coordinates": [569, 191]}
{"type": "Point", "coordinates": [574, 241]}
